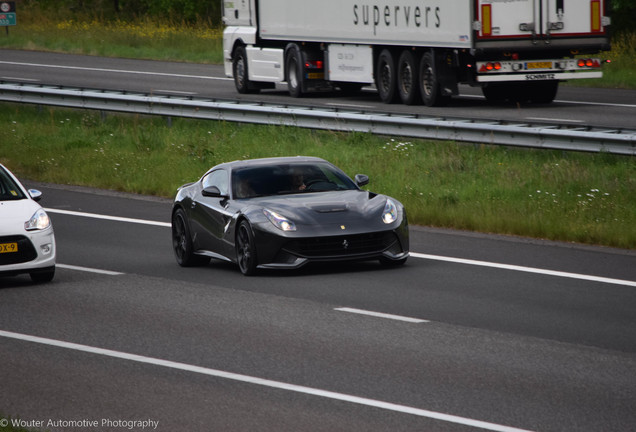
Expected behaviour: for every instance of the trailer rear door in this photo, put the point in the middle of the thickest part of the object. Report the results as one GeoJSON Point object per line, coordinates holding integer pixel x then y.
{"type": "Point", "coordinates": [539, 22]}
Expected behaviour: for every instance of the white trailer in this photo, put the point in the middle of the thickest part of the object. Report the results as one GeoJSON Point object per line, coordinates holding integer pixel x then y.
{"type": "Point", "coordinates": [415, 50]}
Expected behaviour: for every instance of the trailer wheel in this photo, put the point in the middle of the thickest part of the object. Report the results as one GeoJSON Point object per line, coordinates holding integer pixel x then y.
{"type": "Point", "coordinates": [495, 92]}
{"type": "Point", "coordinates": [386, 77]}
{"type": "Point", "coordinates": [294, 65]}
{"type": "Point", "coordinates": [407, 78]}
{"type": "Point", "coordinates": [239, 70]}
{"type": "Point", "coordinates": [544, 92]}
{"type": "Point", "coordinates": [429, 82]}
{"type": "Point", "coordinates": [539, 92]}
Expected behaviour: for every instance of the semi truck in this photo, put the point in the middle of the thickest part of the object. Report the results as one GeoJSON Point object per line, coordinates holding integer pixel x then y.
{"type": "Point", "coordinates": [415, 51]}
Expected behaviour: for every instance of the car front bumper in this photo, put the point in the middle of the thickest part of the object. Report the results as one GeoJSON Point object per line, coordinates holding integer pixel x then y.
{"type": "Point", "coordinates": [36, 251]}
{"type": "Point", "coordinates": [276, 251]}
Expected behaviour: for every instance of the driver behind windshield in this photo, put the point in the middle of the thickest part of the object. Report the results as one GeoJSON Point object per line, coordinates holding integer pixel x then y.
{"type": "Point", "coordinates": [297, 180]}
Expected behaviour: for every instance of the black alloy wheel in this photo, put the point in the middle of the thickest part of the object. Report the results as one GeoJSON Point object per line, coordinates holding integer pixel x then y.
{"type": "Point", "coordinates": [182, 242]}
{"type": "Point", "coordinates": [245, 250]}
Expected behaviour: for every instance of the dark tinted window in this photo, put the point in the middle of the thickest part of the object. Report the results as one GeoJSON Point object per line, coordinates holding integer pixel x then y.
{"type": "Point", "coordinates": [266, 180]}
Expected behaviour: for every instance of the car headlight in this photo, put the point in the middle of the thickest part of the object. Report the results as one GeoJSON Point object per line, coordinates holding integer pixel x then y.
{"type": "Point", "coordinates": [390, 213]}
{"type": "Point", "coordinates": [39, 221]}
{"type": "Point", "coordinates": [279, 221]}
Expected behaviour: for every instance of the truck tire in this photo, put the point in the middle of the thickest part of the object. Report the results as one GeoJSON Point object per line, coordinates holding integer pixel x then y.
{"type": "Point", "coordinates": [294, 71]}
{"type": "Point", "coordinates": [239, 70]}
{"type": "Point", "coordinates": [408, 78]}
{"type": "Point", "coordinates": [386, 77]}
{"type": "Point", "coordinates": [543, 92]}
{"type": "Point", "coordinates": [495, 92]}
{"type": "Point", "coordinates": [539, 92]}
{"type": "Point", "coordinates": [429, 82]}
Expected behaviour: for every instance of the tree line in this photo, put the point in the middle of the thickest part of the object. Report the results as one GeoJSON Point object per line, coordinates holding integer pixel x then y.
{"type": "Point", "coordinates": [173, 10]}
{"type": "Point", "coordinates": [623, 12]}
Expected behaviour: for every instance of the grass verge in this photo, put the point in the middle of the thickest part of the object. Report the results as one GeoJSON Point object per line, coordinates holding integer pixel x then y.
{"type": "Point", "coordinates": [143, 38]}
{"type": "Point", "coordinates": [568, 196]}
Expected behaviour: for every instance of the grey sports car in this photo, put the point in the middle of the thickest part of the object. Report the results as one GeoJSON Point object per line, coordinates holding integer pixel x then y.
{"type": "Point", "coordinates": [284, 213]}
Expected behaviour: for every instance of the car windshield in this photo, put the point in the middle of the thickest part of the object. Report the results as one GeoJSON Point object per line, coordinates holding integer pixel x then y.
{"type": "Point", "coordinates": [9, 190]}
{"type": "Point", "coordinates": [250, 182]}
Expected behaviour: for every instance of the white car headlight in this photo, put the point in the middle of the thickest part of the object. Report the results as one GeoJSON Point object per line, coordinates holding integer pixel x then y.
{"type": "Point", "coordinates": [279, 221]}
{"type": "Point", "coordinates": [39, 221]}
{"type": "Point", "coordinates": [390, 213]}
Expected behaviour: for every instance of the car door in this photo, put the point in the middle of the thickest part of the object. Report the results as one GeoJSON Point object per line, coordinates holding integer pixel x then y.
{"type": "Point", "coordinates": [209, 215]}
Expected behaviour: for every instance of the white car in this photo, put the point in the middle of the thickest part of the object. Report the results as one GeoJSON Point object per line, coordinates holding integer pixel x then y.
{"type": "Point", "coordinates": [27, 242]}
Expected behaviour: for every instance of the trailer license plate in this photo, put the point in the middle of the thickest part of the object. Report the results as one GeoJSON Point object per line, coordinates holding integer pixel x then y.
{"type": "Point", "coordinates": [316, 75]}
{"type": "Point", "coordinates": [8, 247]}
{"type": "Point", "coordinates": [539, 65]}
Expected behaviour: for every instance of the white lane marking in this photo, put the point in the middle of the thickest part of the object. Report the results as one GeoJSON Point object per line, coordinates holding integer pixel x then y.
{"type": "Point", "coordinates": [598, 103]}
{"type": "Point", "coordinates": [263, 382]}
{"type": "Point", "coordinates": [568, 102]}
{"type": "Point", "coordinates": [335, 104]}
{"type": "Point", "coordinates": [105, 217]}
{"type": "Point", "coordinates": [20, 79]}
{"type": "Point", "coordinates": [413, 254]}
{"type": "Point", "coordinates": [555, 120]}
{"type": "Point", "coordinates": [177, 92]}
{"type": "Point", "coordinates": [88, 269]}
{"type": "Point", "coordinates": [526, 269]}
{"type": "Point", "coordinates": [114, 70]}
{"type": "Point", "coordinates": [381, 315]}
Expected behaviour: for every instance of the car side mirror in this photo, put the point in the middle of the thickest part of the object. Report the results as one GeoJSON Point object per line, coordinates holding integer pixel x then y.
{"type": "Point", "coordinates": [362, 179]}
{"type": "Point", "coordinates": [35, 194]}
{"type": "Point", "coordinates": [212, 192]}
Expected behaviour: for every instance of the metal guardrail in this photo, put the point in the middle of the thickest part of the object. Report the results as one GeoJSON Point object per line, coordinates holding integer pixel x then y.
{"type": "Point", "coordinates": [546, 136]}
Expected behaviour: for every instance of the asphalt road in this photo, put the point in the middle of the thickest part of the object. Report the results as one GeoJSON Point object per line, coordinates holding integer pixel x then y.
{"type": "Point", "coordinates": [123, 334]}
{"type": "Point", "coordinates": [574, 106]}
{"type": "Point", "coordinates": [484, 333]}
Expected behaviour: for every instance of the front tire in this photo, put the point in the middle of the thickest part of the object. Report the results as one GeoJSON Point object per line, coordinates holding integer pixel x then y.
{"type": "Point", "coordinates": [245, 249]}
{"type": "Point", "coordinates": [43, 276]}
{"type": "Point", "coordinates": [182, 242]}
{"type": "Point", "coordinates": [387, 262]}
{"type": "Point", "coordinates": [240, 72]}
{"type": "Point", "coordinates": [294, 72]}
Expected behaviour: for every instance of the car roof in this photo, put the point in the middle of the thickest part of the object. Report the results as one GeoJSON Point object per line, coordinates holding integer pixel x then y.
{"type": "Point", "coordinates": [268, 161]}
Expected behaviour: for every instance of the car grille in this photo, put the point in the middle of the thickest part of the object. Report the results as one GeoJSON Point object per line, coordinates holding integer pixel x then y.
{"type": "Point", "coordinates": [26, 252]}
{"type": "Point", "coordinates": [343, 246]}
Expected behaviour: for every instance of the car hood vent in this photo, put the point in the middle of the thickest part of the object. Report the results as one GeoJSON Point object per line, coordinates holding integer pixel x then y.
{"type": "Point", "coordinates": [329, 207]}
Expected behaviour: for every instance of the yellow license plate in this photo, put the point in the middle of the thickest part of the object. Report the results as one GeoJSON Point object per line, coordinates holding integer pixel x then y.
{"type": "Point", "coordinates": [8, 247]}
{"type": "Point", "coordinates": [539, 65]}
{"type": "Point", "coordinates": [316, 75]}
